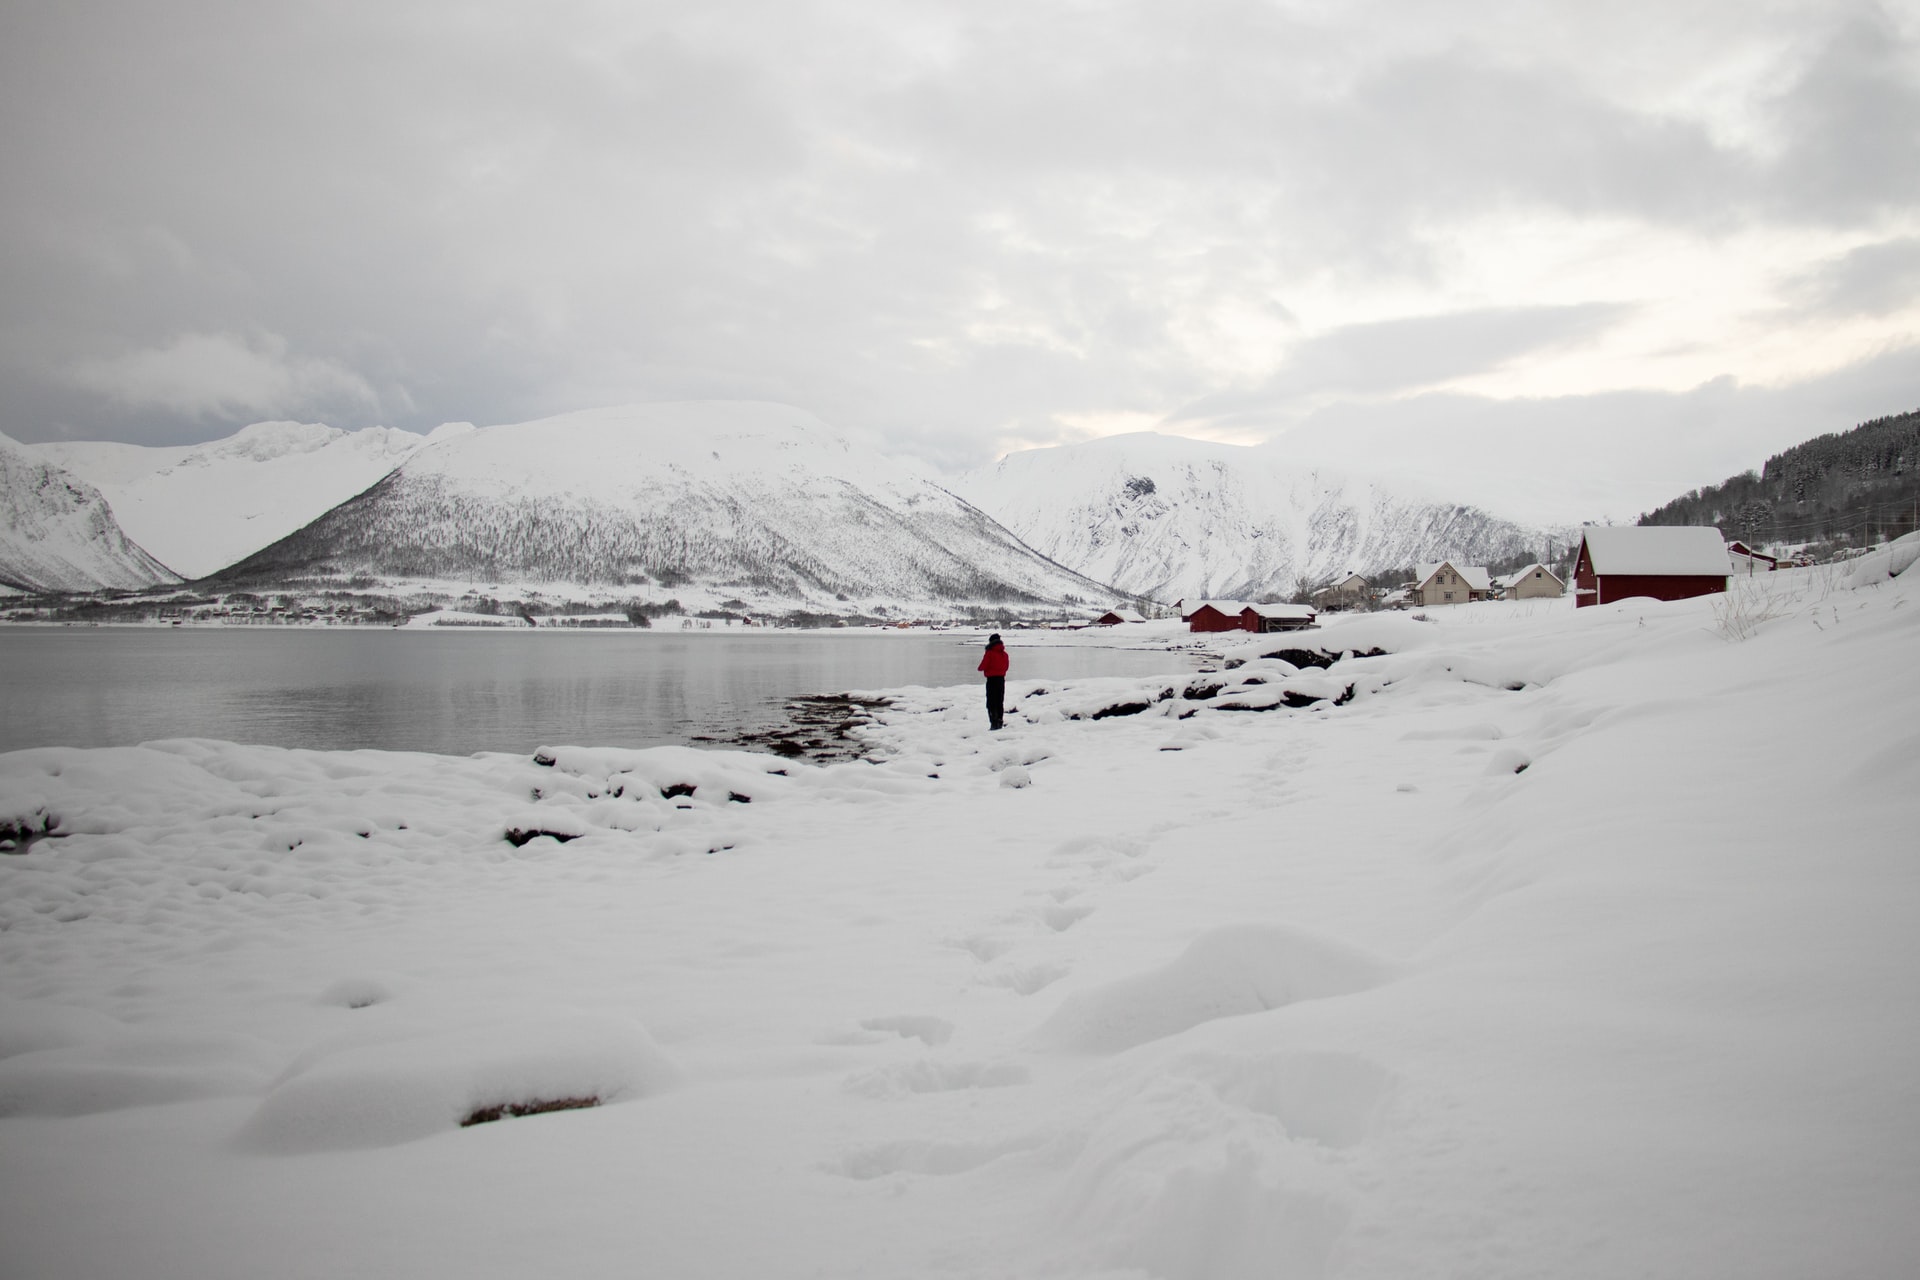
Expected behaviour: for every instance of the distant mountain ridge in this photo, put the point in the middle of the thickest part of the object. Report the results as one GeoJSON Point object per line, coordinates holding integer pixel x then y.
{"type": "Point", "coordinates": [200, 508]}
{"type": "Point", "coordinates": [1847, 486]}
{"type": "Point", "coordinates": [58, 533]}
{"type": "Point", "coordinates": [1172, 518]}
{"type": "Point", "coordinates": [709, 497]}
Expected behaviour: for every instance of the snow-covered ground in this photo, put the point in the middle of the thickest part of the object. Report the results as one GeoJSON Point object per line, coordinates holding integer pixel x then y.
{"type": "Point", "coordinates": [1567, 944]}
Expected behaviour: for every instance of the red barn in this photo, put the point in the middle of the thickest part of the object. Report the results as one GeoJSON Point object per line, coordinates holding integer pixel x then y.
{"type": "Point", "coordinates": [1215, 615]}
{"type": "Point", "coordinates": [1666, 562]}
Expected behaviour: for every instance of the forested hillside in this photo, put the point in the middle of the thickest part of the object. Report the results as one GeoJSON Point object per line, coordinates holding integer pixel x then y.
{"type": "Point", "coordinates": [1851, 487]}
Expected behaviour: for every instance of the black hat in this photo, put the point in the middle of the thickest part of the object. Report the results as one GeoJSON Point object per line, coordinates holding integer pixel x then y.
{"type": "Point", "coordinates": [993, 640]}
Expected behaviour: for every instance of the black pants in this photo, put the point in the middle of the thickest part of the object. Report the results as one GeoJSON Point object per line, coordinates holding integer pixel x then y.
{"type": "Point", "coordinates": [996, 700]}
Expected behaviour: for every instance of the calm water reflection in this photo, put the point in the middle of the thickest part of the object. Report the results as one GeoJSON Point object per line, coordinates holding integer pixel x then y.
{"type": "Point", "coordinates": [459, 692]}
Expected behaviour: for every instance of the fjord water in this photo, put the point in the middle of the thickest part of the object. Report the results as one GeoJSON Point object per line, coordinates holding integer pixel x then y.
{"type": "Point", "coordinates": [457, 692]}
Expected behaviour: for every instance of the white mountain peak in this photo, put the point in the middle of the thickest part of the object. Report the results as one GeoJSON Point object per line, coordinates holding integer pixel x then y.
{"type": "Point", "coordinates": [57, 532]}
{"type": "Point", "coordinates": [1174, 518]}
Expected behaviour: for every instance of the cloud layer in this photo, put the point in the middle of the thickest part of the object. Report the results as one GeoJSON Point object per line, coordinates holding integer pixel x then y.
{"type": "Point", "coordinates": [964, 226]}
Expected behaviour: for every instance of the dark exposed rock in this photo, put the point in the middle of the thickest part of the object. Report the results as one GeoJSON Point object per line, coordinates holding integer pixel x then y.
{"type": "Point", "coordinates": [517, 836]}
{"type": "Point", "coordinates": [1120, 709]}
{"type": "Point", "coordinates": [819, 727]}
{"type": "Point", "coordinates": [539, 1106]}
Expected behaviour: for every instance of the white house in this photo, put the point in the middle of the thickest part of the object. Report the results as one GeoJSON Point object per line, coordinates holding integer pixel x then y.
{"type": "Point", "coordinates": [1535, 582]}
{"type": "Point", "coordinates": [1448, 583]}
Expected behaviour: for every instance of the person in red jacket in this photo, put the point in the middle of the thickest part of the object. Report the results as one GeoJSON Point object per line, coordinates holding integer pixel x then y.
{"type": "Point", "coordinates": [993, 664]}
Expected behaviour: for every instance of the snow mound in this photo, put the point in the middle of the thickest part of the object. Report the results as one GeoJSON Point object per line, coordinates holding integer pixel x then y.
{"type": "Point", "coordinates": [1885, 562]}
{"type": "Point", "coordinates": [359, 1095]}
{"type": "Point", "coordinates": [134, 1069]}
{"type": "Point", "coordinates": [1225, 973]}
{"type": "Point", "coordinates": [28, 1026]}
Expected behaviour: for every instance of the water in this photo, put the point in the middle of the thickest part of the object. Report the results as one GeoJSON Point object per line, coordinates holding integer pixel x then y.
{"type": "Point", "coordinates": [464, 691]}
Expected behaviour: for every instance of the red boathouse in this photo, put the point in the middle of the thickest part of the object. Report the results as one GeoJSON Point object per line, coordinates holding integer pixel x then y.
{"type": "Point", "coordinates": [1666, 562]}
{"type": "Point", "coordinates": [1215, 615]}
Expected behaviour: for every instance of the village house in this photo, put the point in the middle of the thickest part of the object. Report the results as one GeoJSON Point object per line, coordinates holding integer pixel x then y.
{"type": "Point", "coordinates": [1277, 617]}
{"type": "Point", "coordinates": [1447, 583]}
{"type": "Point", "coordinates": [1535, 582]}
{"type": "Point", "coordinates": [1347, 593]}
{"type": "Point", "coordinates": [1746, 562]}
{"type": "Point", "coordinates": [1114, 617]}
{"type": "Point", "coordinates": [1666, 562]}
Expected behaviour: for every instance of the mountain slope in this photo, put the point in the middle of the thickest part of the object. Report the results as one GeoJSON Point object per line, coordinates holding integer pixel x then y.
{"type": "Point", "coordinates": [1850, 486]}
{"type": "Point", "coordinates": [57, 532]}
{"type": "Point", "coordinates": [201, 507]}
{"type": "Point", "coordinates": [1168, 517]}
{"type": "Point", "coordinates": [729, 497]}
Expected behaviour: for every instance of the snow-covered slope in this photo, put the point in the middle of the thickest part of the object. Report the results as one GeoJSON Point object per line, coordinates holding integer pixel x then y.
{"type": "Point", "coordinates": [1168, 517]}
{"type": "Point", "coordinates": [57, 532]}
{"type": "Point", "coordinates": [201, 507]}
{"type": "Point", "coordinates": [737, 497]}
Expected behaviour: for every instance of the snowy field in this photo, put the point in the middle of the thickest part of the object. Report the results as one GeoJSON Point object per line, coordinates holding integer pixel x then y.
{"type": "Point", "coordinates": [1546, 943]}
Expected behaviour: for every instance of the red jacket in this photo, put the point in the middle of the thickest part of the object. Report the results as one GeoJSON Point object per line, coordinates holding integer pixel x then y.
{"type": "Point", "coordinates": [995, 661]}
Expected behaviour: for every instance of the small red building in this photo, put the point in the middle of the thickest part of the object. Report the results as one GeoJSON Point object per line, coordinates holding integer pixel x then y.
{"type": "Point", "coordinates": [1214, 615]}
{"type": "Point", "coordinates": [1114, 617]}
{"type": "Point", "coordinates": [1666, 562]}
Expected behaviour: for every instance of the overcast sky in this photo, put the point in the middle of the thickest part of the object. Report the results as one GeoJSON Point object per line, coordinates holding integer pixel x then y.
{"type": "Point", "coordinates": [1566, 260]}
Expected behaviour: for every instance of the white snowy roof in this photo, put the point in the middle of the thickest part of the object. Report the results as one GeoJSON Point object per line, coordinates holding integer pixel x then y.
{"type": "Point", "coordinates": [1282, 610]}
{"type": "Point", "coordinates": [1657, 550]}
{"type": "Point", "coordinates": [1125, 615]}
{"type": "Point", "coordinates": [1229, 607]}
{"type": "Point", "coordinates": [1474, 575]}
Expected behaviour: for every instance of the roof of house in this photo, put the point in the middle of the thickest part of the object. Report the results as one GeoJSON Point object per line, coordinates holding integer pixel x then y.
{"type": "Point", "coordinates": [1684, 551]}
{"type": "Point", "coordinates": [1229, 607]}
{"type": "Point", "coordinates": [1280, 610]}
{"type": "Point", "coordinates": [1125, 615]}
{"type": "Point", "coordinates": [1474, 575]}
{"type": "Point", "coordinates": [1513, 579]}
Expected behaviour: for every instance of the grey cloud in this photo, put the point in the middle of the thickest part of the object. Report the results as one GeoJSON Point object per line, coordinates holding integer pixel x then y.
{"type": "Point", "coordinates": [1850, 123]}
{"type": "Point", "coordinates": [1875, 279]}
{"type": "Point", "coordinates": [1398, 355]}
{"type": "Point", "coordinates": [945, 221]}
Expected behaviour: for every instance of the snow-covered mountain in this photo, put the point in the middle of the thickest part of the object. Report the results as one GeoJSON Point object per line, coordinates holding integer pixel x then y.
{"type": "Point", "coordinates": [712, 497]}
{"type": "Point", "coordinates": [57, 532]}
{"type": "Point", "coordinates": [201, 507]}
{"type": "Point", "coordinates": [1168, 517]}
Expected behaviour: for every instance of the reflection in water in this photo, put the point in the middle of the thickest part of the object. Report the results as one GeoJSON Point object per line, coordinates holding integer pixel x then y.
{"type": "Point", "coordinates": [462, 692]}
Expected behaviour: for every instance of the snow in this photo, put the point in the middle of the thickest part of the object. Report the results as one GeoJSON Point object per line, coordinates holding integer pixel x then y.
{"type": "Point", "coordinates": [1500, 967]}
{"type": "Point", "coordinates": [1682, 550]}
{"type": "Point", "coordinates": [200, 508]}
